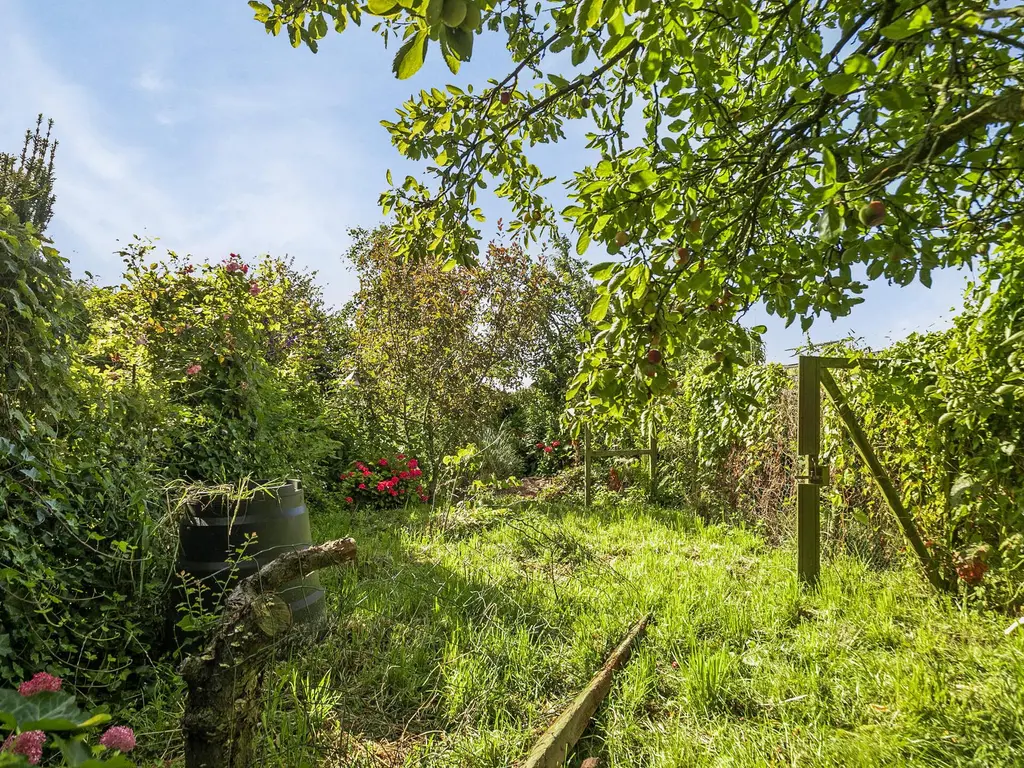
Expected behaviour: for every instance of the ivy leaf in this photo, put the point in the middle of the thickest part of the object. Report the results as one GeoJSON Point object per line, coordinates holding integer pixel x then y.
{"type": "Point", "coordinates": [410, 56]}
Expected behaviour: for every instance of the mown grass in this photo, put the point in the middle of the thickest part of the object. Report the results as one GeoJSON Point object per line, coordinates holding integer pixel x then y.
{"type": "Point", "coordinates": [456, 647]}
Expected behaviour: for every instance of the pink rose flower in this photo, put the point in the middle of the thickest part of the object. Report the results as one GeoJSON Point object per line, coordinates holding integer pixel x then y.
{"type": "Point", "coordinates": [193, 369]}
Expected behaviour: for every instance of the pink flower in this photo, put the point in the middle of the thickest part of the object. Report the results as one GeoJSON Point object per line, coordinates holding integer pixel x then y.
{"type": "Point", "coordinates": [193, 369]}
{"type": "Point", "coordinates": [362, 486]}
{"type": "Point", "coordinates": [394, 493]}
{"type": "Point", "coordinates": [383, 462]}
{"type": "Point", "coordinates": [403, 475]}
{"type": "Point", "coordinates": [555, 443]}
{"type": "Point", "coordinates": [254, 289]}
{"type": "Point", "coordinates": [424, 497]}
{"type": "Point", "coordinates": [119, 737]}
{"type": "Point", "coordinates": [413, 463]}
{"type": "Point", "coordinates": [400, 456]}
{"type": "Point", "coordinates": [366, 472]}
{"type": "Point", "coordinates": [245, 268]}
{"type": "Point", "coordinates": [41, 681]}
{"type": "Point", "coordinates": [28, 744]}
{"type": "Point", "coordinates": [540, 445]}
{"type": "Point", "coordinates": [416, 472]}
{"type": "Point", "coordinates": [548, 449]}
{"type": "Point", "coordinates": [382, 485]}
{"type": "Point", "coordinates": [348, 499]}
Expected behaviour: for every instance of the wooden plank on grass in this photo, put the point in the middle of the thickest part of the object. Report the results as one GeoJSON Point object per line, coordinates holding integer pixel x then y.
{"type": "Point", "coordinates": [554, 746]}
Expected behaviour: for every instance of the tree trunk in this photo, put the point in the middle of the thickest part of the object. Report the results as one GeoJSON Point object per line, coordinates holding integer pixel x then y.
{"type": "Point", "coordinates": [225, 682]}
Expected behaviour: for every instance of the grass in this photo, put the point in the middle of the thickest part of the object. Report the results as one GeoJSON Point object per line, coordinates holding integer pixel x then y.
{"type": "Point", "coordinates": [458, 647]}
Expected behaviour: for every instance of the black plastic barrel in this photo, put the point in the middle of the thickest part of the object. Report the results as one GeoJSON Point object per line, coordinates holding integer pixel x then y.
{"type": "Point", "coordinates": [224, 540]}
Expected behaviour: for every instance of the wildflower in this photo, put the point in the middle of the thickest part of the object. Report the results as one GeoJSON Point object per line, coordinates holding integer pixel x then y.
{"type": "Point", "coordinates": [383, 462]}
{"type": "Point", "coordinates": [548, 449]}
{"type": "Point", "coordinates": [540, 445]}
{"type": "Point", "coordinates": [348, 499]}
{"type": "Point", "coordinates": [28, 744]}
{"type": "Point", "coordinates": [193, 369]}
{"type": "Point", "coordinates": [362, 486]}
{"type": "Point", "coordinates": [555, 443]}
{"type": "Point", "coordinates": [119, 737]}
{"type": "Point", "coordinates": [254, 289]}
{"type": "Point", "coordinates": [41, 681]}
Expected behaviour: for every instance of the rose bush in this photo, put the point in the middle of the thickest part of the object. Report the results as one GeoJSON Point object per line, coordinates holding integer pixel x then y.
{"type": "Point", "coordinates": [390, 481]}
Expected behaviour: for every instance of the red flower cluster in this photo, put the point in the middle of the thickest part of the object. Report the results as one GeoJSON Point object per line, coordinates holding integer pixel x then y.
{"type": "Point", "coordinates": [383, 482]}
{"type": "Point", "coordinates": [972, 571]}
{"type": "Point", "coordinates": [40, 682]}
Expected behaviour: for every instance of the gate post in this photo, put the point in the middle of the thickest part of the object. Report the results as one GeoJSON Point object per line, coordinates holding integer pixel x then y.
{"type": "Point", "coordinates": [809, 475]}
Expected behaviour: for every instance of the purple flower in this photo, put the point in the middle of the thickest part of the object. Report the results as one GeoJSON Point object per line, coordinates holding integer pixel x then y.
{"type": "Point", "coordinates": [28, 744]}
{"type": "Point", "coordinates": [41, 681]}
{"type": "Point", "coordinates": [119, 737]}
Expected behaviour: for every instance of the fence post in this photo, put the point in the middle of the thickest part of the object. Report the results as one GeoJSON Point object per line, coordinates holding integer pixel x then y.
{"type": "Point", "coordinates": [808, 489]}
{"type": "Point", "coordinates": [586, 466]}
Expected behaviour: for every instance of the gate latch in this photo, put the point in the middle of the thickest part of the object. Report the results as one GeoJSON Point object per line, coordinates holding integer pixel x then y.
{"type": "Point", "coordinates": [812, 470]}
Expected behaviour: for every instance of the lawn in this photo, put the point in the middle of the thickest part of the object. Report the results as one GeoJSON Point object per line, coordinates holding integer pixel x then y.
{"type": "Point", "coordinates": [459, 646]}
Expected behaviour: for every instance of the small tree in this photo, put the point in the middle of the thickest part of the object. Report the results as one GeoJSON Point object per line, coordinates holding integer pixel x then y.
{"type": "Point", "coordinates": [436, 349]}
{"type": "Point", "coordinates": [26, 180]}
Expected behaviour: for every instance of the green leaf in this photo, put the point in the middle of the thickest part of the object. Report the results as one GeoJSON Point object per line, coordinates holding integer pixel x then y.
{"type": "Point", "coordinates": [47, 711]}
{"type": "Point", "coordinates": [600, 308]}
{"type": "Point", "coordinates": [583, 243]}
{"type": "Point", "coordinates": [840, 85]}
{"type": "Point", "coordinates": [603, 271]}
{"type": "Point", "coordinates": [828, 177]}
{"type": "Point", "coordinates": [642, 180]}
{"type": "Point", "coordinates": [382, 7]}
{"type": "Point", "coordinates": [588, 14]}
{"type": "Point", "coordinates": [908, 25]}
{"type": "Point", "coordinates": [410, 56]}
{"type": "Point", "coordinates": [262, 11]}
{"type": "Point", "coordinates": [433, 12]}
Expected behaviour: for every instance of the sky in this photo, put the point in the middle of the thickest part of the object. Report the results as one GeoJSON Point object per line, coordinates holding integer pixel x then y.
{"type": "Point", "coordinates": [199, 129]}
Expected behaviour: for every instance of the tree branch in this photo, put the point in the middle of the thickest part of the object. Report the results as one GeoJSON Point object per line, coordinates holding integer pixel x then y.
{"type": "Point", "coordinates": [1008, 108]}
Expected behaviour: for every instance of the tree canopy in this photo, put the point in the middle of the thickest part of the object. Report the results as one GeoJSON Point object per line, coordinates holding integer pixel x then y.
{"type": "Point", "coordinates": [787, 152]}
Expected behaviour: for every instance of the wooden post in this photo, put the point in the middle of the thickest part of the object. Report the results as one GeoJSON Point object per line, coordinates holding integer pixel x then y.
{"type": "Point", "coordinates": [808, 489]}
{"type": "Point", "coordinates": [654, 460]}
{"type": "Point", "coordinates": [553, 747]}
{"type": "Point", "coordinates": [586, 466]}
{"type": "Point", "coordinates": [881, 478]}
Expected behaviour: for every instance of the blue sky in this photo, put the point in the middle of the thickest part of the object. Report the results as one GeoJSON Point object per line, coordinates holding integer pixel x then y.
{"type": "Point", "coordinates": [197, 128]}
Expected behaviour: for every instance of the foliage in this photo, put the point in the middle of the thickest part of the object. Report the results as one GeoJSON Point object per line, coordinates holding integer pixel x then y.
{"type": "Point", "coordinates": [787, 151]}
{"type": "Point", "coordinates": [75, 485]}
{"type": "Point", "coordinates": [436, 350]}
{"type": "Point", "coordinates": [39, 713]}
{"type": "Point", "coordinates": [26, 180]}
{"type": "Point", "coordinates": [239, 362]}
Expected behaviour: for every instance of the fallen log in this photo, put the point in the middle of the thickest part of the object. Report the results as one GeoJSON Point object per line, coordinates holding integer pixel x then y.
{"type": "Point", "coordinates": [225, 681]}
{"type": "Point", "coordinates": [552, 748]}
